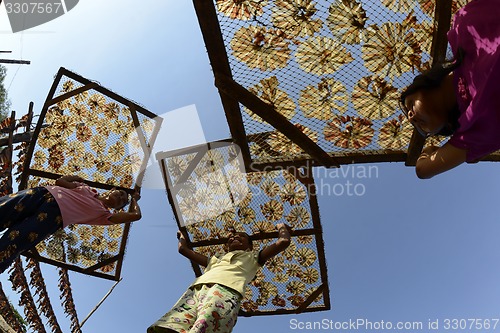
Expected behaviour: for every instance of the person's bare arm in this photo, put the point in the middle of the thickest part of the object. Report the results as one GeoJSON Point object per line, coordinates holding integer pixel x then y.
{"type": "Point", "coordinates": [284, 235]}
{"type": "Point", "coordinates": [69, 181]}
{"type": "Point", "coordinates": [435, 160]}
{"type": "Point", "coordinates": [133, 213]}
{"type": "Point", "coordinates": [184, 249]}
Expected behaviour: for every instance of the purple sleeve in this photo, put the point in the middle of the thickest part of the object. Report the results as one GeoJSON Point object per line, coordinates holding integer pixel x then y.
{"type": "Point", "coordinates": [476, 29]}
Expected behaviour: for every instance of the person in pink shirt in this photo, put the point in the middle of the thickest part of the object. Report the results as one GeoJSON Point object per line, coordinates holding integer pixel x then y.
{"type": "Point", "coordinates": [460, 99]}
{"type": "Point", "coordinates": [31, 215]}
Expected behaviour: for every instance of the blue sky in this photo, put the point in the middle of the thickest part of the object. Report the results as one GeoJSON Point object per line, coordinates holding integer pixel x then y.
{"type": "Point", "coordinates": [406, 250]}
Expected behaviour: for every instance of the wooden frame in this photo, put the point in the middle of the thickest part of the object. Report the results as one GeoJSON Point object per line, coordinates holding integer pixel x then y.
{"type": "Point", "coordinates": [232, 92]}
{"type": "Point", "coordinates": [146, 145]}
{"type": "Point", "coordinates": [315, 230]}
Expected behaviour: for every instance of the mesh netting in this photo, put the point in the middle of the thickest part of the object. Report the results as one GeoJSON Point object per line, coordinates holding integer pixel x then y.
{"type": "Point", "coordinates": [286, 281]}
{"type": "Point", "coordinates": [92, 135]}
{"type": "Point", "coordinates": [335, 69]}
{"type": "Point", "coordinates": [212, 196]}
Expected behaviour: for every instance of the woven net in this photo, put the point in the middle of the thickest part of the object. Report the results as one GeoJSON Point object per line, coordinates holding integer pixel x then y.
{"type": "Point", "coordinates": [334, 69]}
{"type": "Point", "coordinates": [93, 135]}
{"type": "Point", "coordinates": [213, 196]}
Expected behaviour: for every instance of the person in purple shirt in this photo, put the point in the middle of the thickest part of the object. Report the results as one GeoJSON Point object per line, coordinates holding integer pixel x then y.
{"type": "Point", "coordinates": [461, 98]}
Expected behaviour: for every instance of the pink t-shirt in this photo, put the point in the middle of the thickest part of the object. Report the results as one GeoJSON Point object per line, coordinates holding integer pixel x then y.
{"type": "Point", "coordinates": [80, 205]}
{"type": "Point", "coordinates": [476, 29]}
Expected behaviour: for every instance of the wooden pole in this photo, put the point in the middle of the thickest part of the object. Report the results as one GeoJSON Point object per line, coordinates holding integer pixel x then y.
{"type": "Point", "coordinates": [267, 112]}
{"type": "Point", "coordinates": [442, 17]}
{"type": "Point", "coordinates": [214, 43]}
{"type": "Point", "coordinates": [99, 304]}
{"type": "Point", "coordinates": [9, 61]}
{"type": "Point", "coordinates": [10, 148]}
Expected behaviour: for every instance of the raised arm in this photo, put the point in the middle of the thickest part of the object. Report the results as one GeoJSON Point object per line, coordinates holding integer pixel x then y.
{"type": "Point", "coordinates": [133, 213]}
{"type": "Point", "coordinates": [69, 181]}
{"type": "Point", "coordinates": [284, 234]}
{"type": "Point", "coordinates": [184, 249]}
{"type": "Point", "coordinates": [435, 160]}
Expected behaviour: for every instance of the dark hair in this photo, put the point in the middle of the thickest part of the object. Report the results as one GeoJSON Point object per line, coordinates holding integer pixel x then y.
{"type": "Point", "coordinates": [431, 79]}
{"type": "Point", "coordinates": [126, 202]}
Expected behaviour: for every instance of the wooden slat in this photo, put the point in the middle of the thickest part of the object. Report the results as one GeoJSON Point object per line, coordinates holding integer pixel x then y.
{"type": "Point", "coordinates": [353, 158]}
{"type": "Point", "coordinates": [64, 72]}
{"type": "Point", "coordinates": [50, 175]}
{"type": "Point", "coordinates": [277, 120]}
{"type": "Point", "coordinates": [415, 148]}
{"type": "Point", "coordinates": [212, 35]}
{"type": "Point", "coordinates": [16, 138]}
{"type": "Point", "coordinates": [256, 236]}
{"type": "Point", "coordinates": [146, 146]}
{"type": "Point", "coordinates": [87, 87]}
{"type": "Point", "coordinates": [10, 61]}
{"type": "Point", "coordinates": [442, 17]}
{"type": "Point", "coordinates": [31, 148]}
{"type": "Point", "coordinates": [281, 312]}
{"type": "Point", "coordinates": [320, 244]}
{"type": "Point", "coordinates": [104, 263]}
{"type": "Point", "coordinates": [35, 255]}
{"type": "Point", "coordinates": [166, 177]}
{"type": "Point", "coordinates": [121, 253]}
{"type": "Point", "coordinates": [312, 297]}
{"type": "Point", "coordinates": [10, 142]}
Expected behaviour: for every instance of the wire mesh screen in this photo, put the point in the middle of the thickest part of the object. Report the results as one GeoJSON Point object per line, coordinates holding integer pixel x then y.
{"type": "Point", "coordinates": [285, 282]}
{"type": "Point", "coordinates": [86, 130]}
{"type": "Point", "coordinates": [334, 69]}
{"type": "Point", "coordinates": [211, 195]}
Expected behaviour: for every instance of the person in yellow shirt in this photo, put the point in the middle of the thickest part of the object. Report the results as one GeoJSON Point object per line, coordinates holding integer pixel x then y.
{"type": "Point", "coordinates": [212, 302]}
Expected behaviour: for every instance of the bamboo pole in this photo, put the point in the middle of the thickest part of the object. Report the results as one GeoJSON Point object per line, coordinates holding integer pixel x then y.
{"type": "Point", "coordinates": [100, 302]}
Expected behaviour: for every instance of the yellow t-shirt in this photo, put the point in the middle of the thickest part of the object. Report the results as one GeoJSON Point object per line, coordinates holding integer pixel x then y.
{"type": "Point", "coordinates": [234, 270]}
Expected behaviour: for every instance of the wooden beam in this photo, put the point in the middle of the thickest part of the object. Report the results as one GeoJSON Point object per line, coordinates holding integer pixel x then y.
{"type": "Point", "coordinates": [274, 312]}
{"type": "Point", "coordinates": [172, 201]}
{"type": "Point", "coordinates": [491, 158]}
{"type": "Point", "coordinates": [256, 236]}
{"type": "Point", "coordinates": [68, 95]}
{"type": "Point", "coordinates": [23, 183]}
{"type": "Point", "coordinates": [20, 62]}
{"type": "Point", "coordinates": [417, 142]}
{"type": "Point", "coordinates": [51, 175]}
{"type": "Point", "coordinates": [442, 18]}
{"type": "Point", "coordinates": [212, 36]}
{"type": "Point", "coordinates": [276, 119]}
{"type": "Point", "coordinates": [320, 244]}
{"type": "Point", "coordinates": [104, 263]}
{"type": "Point", "coordinates": [147, 147]}
{"type": "Point", "coordinates": [352, 158]}
{"type": "Point", "coordinates": [100, 302]}
{"type": "Point", "coordinates": [312, 297]}
{"type": "Point", "coordinates": [64, 72]}
{"type": "Point", "coordinates": [10, 143]}
{"type": "Point", "coordinates": [33, 254]}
